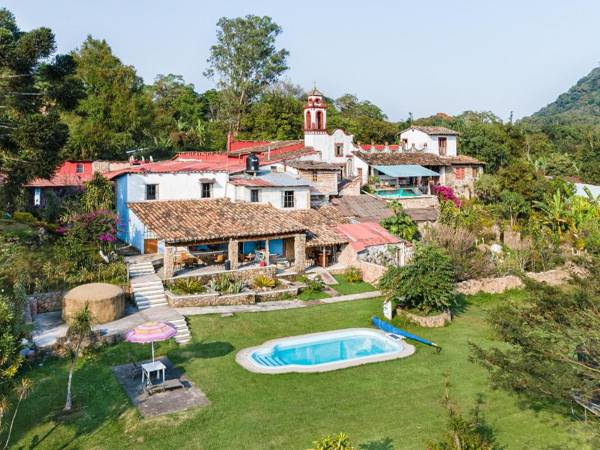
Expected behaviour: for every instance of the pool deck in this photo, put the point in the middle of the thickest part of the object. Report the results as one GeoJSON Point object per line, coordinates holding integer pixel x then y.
{"type": "Point", "coordinates": [244, 360]}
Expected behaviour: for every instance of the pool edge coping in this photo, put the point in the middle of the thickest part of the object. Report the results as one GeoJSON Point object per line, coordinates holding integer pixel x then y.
{"type": "Point", "coordinates": [243, 356]}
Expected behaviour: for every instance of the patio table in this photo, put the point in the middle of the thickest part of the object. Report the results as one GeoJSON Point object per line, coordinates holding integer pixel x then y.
{"type": "Point", "coordinates": [148, 368]}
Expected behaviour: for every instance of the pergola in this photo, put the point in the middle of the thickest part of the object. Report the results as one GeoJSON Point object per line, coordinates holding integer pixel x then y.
{"type": "Point", "coordinates": [219, 221]}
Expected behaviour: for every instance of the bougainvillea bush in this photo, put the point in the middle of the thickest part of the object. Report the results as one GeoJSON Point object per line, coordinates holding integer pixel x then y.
{"type": "Point", "coordinates": [445, 193]}
{"type": "Point", "coordinates": [97, 227]}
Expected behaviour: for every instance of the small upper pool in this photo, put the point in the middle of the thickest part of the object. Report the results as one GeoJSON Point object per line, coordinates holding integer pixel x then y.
{"type": "Point", "coordinates": [400, 192]}
{"type": "Point", "coordinates": [326, 351]}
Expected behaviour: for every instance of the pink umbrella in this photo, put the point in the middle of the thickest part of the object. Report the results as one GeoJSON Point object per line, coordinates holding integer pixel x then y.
{"type": "Point", "coordinates": [151, 332]}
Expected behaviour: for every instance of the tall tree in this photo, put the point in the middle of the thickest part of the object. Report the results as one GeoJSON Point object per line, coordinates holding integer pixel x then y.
{"type": "Point", "coordinates": [246, 61]}
{"type": "Point", "coordinates": [116, 114]}
{"type": "Point", "coordinates": [33, 90]}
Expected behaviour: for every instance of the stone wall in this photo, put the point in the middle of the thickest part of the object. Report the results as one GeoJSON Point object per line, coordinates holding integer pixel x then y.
{"type": "Point", "coordinates": [436, 321]}
{"type": "Point", "coordinates": [498, 285]}
{"type": "Point", "coordinates": [326, 182]}
{"type": "Point", "coordinates": [210, 299]}
{"type": "Point", "coordinates": [245, 275]}
{"type": "Point", "coordinates": [277, 294]}
{"type": "Point", "coordinates": [371, 273]}
{"type": "Point", "coordinates": [425, 201]}
{"type": "Point", "coordinates": [45, 302]}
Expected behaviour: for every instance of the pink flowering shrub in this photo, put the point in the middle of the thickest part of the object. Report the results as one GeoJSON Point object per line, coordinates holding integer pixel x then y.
{"type": "Point", "coordinates": [96, 227]}
{"type": "Point", "coordinates": [446, 193]}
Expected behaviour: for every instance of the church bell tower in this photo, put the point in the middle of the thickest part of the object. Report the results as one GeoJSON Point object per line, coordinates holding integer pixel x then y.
{"type": "Point", "coordinates": [315, 114]}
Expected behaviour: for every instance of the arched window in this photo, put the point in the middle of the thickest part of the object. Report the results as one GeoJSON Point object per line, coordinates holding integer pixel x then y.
{"type": "Point", "coordinates": [319, 120]}
{"type": "Point", "coordinates": [308, 123]}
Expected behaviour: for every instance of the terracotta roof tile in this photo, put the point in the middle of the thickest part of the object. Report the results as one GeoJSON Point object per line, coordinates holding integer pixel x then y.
{"type": "Point", "coordinates": [315, 165]}
{"type": "Point", "coordinates": [367, 234]}
{"type": "Point", "coordinates": [435, 131]}
{"type": "Point", "coordinates": [321, 226]}
{"type": "Point", "coordinates": [361, 207]}
{"type": "Point", "coordinates": [214, 219]}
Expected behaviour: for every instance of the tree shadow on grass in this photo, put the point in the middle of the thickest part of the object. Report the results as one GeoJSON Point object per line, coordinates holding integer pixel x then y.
{"type": "Point", "coordinates": [385, 443]}
{"type": "Point", "coordinates": [205, 350]}
{"type": "Point", "coordinates": [461, 305]}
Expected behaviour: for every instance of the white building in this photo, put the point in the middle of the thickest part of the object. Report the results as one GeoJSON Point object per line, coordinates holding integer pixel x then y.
{"type": "Point", "coordinates": [196, 180]}
{"type": "Point", "coordinates": [440, 141]}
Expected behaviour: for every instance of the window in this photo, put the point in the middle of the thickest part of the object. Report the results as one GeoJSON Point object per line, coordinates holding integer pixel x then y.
{"type": "Point", "coordinates": [79, 168]}
{"type": "Point", "coordinates": [206, 190]}
{"type": "Point", "coordinates": [315, 176]}
{"type": "Point", "coordinates": [404, 142]}
{"type": "Point", "coordinates": [288, 199]}
{"type": "Point", "coordinates": [442, 145]}
{"type": "Point", "coordinates": [339, 150]}
{"type": "Point", "coordinates": [152, 192]}
{"type": "Point", "coordinates": [459, 173]}
{"type": "Point", "coordinates": [254, 195]}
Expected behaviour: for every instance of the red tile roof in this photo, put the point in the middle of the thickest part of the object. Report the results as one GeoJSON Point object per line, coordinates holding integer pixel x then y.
{"type": "Point", "coordinates": [213, 219]}
{"type": "Point", "coordinates": [366, 234]}
{"type": "Point", "coordinates": [66, 175]}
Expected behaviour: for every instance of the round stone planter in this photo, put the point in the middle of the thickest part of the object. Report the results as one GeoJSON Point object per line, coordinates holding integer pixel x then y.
{"type": "Point", "coordinates": [437, 321]}
{"type": "Point", "coordinates": [106, 302]}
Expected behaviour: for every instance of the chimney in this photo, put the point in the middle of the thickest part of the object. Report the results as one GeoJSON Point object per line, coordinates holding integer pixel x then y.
{"type": "Point", "coordinates": [229, 141]}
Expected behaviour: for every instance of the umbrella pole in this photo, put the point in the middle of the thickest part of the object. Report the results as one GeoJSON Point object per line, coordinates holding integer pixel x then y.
{"type": "Point", "coordinates": [152, 351]}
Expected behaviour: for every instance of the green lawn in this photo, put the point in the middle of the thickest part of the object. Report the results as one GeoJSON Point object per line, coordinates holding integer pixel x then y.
{"type": "Point", "coordinates": [345, 288]}
{"type": "Point", "coordinates": [308, 295]}
{"type": "Point", "coordinates": [396, 402]}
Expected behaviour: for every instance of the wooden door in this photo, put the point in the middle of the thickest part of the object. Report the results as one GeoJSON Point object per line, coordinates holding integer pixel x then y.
{"type": "Point", "coordinates": [150, 246]}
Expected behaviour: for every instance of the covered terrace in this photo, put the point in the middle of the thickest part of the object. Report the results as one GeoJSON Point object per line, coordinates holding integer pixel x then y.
{"type": "Point", "coordinates": [222, 233]}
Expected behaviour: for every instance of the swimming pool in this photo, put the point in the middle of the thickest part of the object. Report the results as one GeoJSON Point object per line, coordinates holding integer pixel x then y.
{"type": "Point", "coordinates": [400, 192]}
{"type": "Point", "coordinates": [320, 352]}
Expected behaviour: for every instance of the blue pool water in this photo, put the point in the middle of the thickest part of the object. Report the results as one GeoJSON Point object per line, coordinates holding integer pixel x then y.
{"type": "Point", "coordinates": [401, 192]}
{"type": "Point", "coordinates": [325, 348]}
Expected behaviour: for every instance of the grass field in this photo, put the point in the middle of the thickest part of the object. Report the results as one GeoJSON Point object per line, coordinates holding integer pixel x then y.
{"type": "Point", "coordinates": [390, 405]}
{"type": "Point", "coordinates": [345, 288]}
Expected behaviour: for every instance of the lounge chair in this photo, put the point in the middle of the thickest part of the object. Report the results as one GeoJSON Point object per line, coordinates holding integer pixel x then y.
{"type": "Point", "coordinates": [167, 385]}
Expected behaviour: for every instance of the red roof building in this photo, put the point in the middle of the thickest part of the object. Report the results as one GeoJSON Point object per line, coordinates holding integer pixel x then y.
{"type": "Point", "coordinates": [68, 174]}
{"type": "Point", "coordinates": [366, 234]}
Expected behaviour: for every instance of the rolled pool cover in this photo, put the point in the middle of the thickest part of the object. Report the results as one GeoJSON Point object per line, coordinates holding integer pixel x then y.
{"type": "Point", "coordinates": [388, 328]}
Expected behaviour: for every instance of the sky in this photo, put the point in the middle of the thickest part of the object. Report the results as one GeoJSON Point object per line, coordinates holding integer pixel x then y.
{"type": "Point", "coordinates": [406, 57]}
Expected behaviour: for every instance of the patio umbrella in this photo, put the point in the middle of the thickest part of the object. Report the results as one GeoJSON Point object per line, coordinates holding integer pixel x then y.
{"type": "Point", "coordinates": [151, 332]}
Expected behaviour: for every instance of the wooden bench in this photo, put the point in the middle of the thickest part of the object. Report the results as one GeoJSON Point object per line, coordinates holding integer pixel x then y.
{"type": "Point", "coordinates": [167, 385]}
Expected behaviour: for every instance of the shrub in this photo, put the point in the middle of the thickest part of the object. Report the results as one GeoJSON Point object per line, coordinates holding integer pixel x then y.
{"type": "Point", "coordinates": [183, 286]}
{"type": "Point", "coordinates": [487, 188]}
{"type": "Point", "coordinates": [339, 442]}
{"type": "Point", "coordinates": [224, 285]}
{"type": "Point", "coordinates": [445, 193]}
{"type": "Point", "coordinates": [24, 217]}
{"type": "Point", "coordinates": [352, 275]}
{"type": "Point", "coordinates": [461, 245]}
{"type": "Point", "coordinates": [263, 281]}
{"type": "Point", "coordinates": [315, 284]}
{"type": "Point", "coordinates": [426, 284]}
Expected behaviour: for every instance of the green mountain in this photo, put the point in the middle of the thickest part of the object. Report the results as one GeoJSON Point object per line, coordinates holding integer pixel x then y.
{"type": "Point", "coordinates": [579, 105]}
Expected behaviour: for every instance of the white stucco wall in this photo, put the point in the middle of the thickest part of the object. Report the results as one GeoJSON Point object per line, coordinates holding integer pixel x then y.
{"type": "Point", "coordinates": [420, 139]}
{"type": "Point", "coordinates": [273, 195]}
{"type": "Point", "coordinates": [325, 143]}
{"type": "Point", "coordinates": [174, 186]}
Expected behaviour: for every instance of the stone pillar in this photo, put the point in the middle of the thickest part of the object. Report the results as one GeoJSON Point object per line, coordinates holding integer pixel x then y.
{"type": "Point", "coordinates": [232, 253]}
{"type": "Point", "coordinates": [267, 253]}
{"type": "Point", "coordinates": [299, 252]}
{"type": "Point", "coordinates": [169, 261]}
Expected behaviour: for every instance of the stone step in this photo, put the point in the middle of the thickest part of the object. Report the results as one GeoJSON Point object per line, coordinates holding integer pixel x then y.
{"type": "Point", "coordinates": [141, 282]}
{"type": "Point", "coordinates": [149, 289]}
{"type": "Point", "coordinates": [146, 305]}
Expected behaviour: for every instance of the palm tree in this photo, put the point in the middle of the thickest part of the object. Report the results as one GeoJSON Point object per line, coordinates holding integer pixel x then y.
{"type": "Point", "coordinates": [79, 329]}
{"type": "Point", "coordinates": [23, 389]}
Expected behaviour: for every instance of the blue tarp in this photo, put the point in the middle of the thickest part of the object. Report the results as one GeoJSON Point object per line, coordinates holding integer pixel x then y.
{"type": "Point", "coordinates": [406, 170]}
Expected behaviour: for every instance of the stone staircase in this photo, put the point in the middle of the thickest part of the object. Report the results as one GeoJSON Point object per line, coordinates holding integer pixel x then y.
{"type": "Point", "coordinates": [148, 290]}
{"type": "Point", "coordinates": [149, 295]}
{"type": "Point", "coordinates": [183, 335]}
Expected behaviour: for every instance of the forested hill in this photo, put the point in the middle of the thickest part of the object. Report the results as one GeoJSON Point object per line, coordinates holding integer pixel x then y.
{"type": "Point", "coordinates": [579, 105]}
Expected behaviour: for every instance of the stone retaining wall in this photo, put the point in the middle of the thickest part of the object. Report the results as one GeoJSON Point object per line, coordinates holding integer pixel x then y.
{"type": "Point", "coordinates": [498, 285]}
{"type": "Point", "coordinates": [42, 302]}
{"type": "Point", "coordinates": [276, 294]}
{"type": "Point", "coordinates": [436, 321]}
{"type": "Point", "coordinates": [245, 275]}
{"type": "Point", "coordinates": [371, 273]}
{"type": "Point", "coordinates": [210, 299]}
